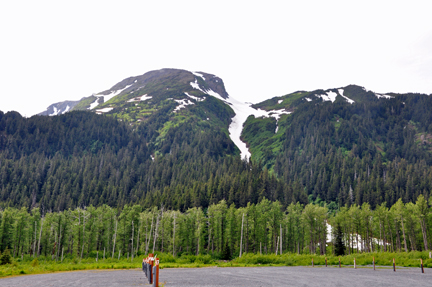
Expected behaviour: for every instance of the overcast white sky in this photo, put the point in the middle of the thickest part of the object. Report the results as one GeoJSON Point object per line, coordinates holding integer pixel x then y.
{"type": "Point", "coordinates": [51, 51]}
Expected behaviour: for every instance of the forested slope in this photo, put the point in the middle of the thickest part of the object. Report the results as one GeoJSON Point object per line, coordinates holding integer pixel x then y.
{"type": "Point", "coordinates": [80, 159]}
{"type": "Point", "coordinates": [374, 150]}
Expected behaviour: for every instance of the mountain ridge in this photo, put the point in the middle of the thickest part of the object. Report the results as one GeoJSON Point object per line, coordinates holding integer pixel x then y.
{"type": "Point", "coordinates": [150, 88]}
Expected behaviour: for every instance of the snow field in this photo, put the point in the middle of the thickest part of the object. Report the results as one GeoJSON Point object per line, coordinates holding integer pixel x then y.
{"type": "Point", "coordinates": [242, 112]}
{"type": "Point", "coordinates": [330, 96]}
{"type": "Point", "coordinates": [182, 104]}
{"type": "Point", "coordinates": [56, 111]}
{"type": "Point", "coordinates": [209, 92]}
{"type": "Point", "coordinates": [341, 91]}
{"type": "Point", "coordinates": [94, 104]}
{"type": "Point", "coordinates": [195, 98]}
{"type": "Point", "coordinates": [379, 96]}
{"type": "Point", "coordinates": [198, 75]}
{"type": "Point", "coordinates": [113, 94]}
{"type": "Point", "coordinates": [106, 98]}
{"type": "Point", "coordinates": [104, 110]}
{"type": "Point", "coordinates": [140, 99]}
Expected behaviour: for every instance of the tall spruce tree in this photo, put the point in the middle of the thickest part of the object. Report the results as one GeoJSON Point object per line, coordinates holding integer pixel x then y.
{"type": "Point", "coordinates": [339, 243]}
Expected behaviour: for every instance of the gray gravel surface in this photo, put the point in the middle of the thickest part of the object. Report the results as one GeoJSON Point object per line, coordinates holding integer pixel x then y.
{"type": "Point", "coordinates": [234, 276]}
{"type": "Point", "coordinates": [105, 278]}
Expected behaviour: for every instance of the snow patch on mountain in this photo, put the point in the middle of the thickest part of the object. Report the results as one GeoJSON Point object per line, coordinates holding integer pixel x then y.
{"type": "Point", "coordinates": [195, 98]}
{"type": "Point", "coordinates": [198, 75]}
{"type": "Point", "coordinates": [308, 99]}
{"type": "Point", "coordinates": [106, 98]}
{"type": "Point", "coordinates": [341, 91]}
{"type": "Point", "coordinates": [242, 112]}
{"type": "Point", "coordinates": [113, 94]}
{"type": "Point", "coordinates": [277, 114]}
{"type": "Point", "coordinates": [94, 104]}
{"type": "Point", "coordinates": [104, 110]}
{"type": "Point", "coordinates": [329, 96]}
{"type": "Point", "coordinates": [209, 92]}
{"type": "Point", "coordinates": [280, 101]}
{"type": "Point", "coordinates": [140, 99]}
{"type": "Point", "coordinates": [56, 112]}
{"type": "Point", "coordinates": [182, 104]}
{"type": "Point", "coordinates": [379, 96]}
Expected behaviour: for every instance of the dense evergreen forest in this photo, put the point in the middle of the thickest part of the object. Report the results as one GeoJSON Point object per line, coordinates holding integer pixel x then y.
{"type": "Point", "coordinates": [81, 159]}
{"type": "Point", "coordinates": [374, 151]}
{"type": "Point", "coordinates": [219, 230]}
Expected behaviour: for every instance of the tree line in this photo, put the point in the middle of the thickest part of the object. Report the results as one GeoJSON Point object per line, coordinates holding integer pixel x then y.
{"type": "Point", "coordinates": [221, 230]}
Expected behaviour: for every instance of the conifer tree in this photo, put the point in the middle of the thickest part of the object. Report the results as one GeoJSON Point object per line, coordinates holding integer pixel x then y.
{"type": "Point", "coordinates": [339, 245]}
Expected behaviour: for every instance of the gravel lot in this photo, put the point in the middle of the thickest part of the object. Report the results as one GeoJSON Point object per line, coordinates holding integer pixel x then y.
{"type": "Point", "coordinates": [233, 276]}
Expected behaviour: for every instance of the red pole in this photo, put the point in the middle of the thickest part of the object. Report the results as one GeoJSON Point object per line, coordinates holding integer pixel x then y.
{"type": "Point", "coordinates": [150, 256]}
{"type": "Point", "coordinates": [339, 263]}
{"type": "Point", "coordinates": [373, 262]}
{"type": "Point", "coordinates": [394, 265]}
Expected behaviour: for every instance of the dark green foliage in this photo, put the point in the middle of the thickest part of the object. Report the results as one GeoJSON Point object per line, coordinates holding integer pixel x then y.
{"type": "Point", "coordinates": [226, 252]}
{"type": "Point", "coordinates": [376, 150]}
{"type": "Point", "coordinates": [95, 160]}
{"type": "Point", "coordinates": [5, 257]}
{"type": "Point", "coordinates": [72, 134]}
{"type": "Point", "coordinates": [6, 230]}
{"type": "Point", "coordinates": [339, 245]}
{"type": "Point", "coordinates": [259, 134]}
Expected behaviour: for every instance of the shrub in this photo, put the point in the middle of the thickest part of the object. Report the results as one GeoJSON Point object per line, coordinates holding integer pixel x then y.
{"type": "Point", "coordinates": [164, 257]}
{"type": "Point", "coordinates": [5, 258]}
{"type": "Point", "coordinates": [35, 262]}
{"type": "Point", "coordinates": [204, 259]}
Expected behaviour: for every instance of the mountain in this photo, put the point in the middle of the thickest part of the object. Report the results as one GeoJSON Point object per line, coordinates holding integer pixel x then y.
{"type": "Point", "coordinates": [177, 138]}
{"type": "Point", "coordinates": [155, 87]}
{"type": "Point", "coordinates": [176, 95]}
{"type": "Point", "coordinates": [59, 108]}
{"type": "Point", "coordinates": [163, 139]}
{"type": "Point", "coordinates": [342, 108]}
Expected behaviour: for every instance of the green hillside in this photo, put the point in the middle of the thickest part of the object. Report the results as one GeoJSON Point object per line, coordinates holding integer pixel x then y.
{"type": "Point", "coordinates": [374, 150]}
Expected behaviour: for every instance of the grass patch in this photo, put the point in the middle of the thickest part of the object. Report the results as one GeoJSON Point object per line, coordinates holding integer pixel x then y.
{"type": "Point", "coordinates": [45, 265]}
